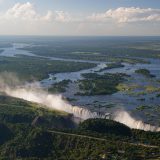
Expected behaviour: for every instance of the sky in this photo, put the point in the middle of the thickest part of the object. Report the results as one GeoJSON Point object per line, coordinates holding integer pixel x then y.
{"type": "Point", "coordinates": [80, 17]}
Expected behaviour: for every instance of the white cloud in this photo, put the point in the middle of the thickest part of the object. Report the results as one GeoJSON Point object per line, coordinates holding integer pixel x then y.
{"type": "Point", "coordinates": [24, 11]}
{"type": "Point", "coordinates": [25, 19]}
{"type": "Point", "coordinates": [62, 16]}
{"type": "Point", "coordinates": [27, 12]}
{"type": "Point", "coordinates": [59, 16]}
{"type": "Point", "coordinates": [127, 15]}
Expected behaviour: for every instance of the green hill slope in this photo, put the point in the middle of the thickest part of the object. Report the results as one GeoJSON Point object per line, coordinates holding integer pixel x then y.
{"type": "Point", "coordinates": [29, 131]}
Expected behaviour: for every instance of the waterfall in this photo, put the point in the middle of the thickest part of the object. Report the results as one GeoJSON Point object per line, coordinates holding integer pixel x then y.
{"type": "Point", "coordinates": [125, 118]}
{"type": "Point", "coordinates": [58, 103]}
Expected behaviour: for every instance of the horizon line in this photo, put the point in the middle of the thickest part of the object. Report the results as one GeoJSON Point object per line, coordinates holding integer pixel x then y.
{"type": "Point", "coordinates": [83, 35]}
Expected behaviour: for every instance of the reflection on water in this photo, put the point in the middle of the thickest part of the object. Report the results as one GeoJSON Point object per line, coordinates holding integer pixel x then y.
{"type": "Point", "coordinates": [16, 49]}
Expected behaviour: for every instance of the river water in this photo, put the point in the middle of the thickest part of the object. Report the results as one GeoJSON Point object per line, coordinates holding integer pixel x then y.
{"type": "Point", "coordinates": [120, 99]}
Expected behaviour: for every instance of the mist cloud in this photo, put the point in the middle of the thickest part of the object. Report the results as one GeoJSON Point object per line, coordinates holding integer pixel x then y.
{"type": "Point", "coordinates": [11, 86]}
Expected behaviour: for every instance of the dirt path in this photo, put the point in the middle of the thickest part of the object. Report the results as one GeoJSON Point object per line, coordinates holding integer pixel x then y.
{"type": "Point", "coordinates": [102, 139]}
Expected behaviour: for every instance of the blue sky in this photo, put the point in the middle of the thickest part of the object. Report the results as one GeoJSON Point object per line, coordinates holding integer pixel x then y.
{"type": "Point", "coordinates": [85, 5]}
{"type": "Point", "coordinates": [80, 17]}
{"type": "Point", "coordinates": [96, 5]}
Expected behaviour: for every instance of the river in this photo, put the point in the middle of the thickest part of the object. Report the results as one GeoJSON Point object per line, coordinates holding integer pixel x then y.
{"type": "Point", "coordinates": [120, 99]}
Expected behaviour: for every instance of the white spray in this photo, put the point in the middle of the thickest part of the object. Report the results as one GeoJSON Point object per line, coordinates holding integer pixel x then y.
{"type": "Point", "coordinates": [34, 93]}
{"type": "Point", "coordinates": [9, 85]}
{"type": "Point", "coordinates": [125, 118]}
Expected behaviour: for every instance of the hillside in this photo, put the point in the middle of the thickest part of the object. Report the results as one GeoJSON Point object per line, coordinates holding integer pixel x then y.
{"type": "Point", "coordinates": [105, 127]}
{"type": "Point", "coordinates": [16, 112]}
{"type": "Point", "coordinates": [29, 131]}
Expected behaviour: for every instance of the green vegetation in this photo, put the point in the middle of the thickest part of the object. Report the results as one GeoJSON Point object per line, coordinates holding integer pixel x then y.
{"type": "Point", "coordinates": [29, 132]}
{"type": "Point", "coordinates": [5, 133]}
{"type": "Point", "coordinates": [158, 95]}
{"type": "Point", "coordinates": [109, 129]}
{"type": "Point", "coordinates": [52, 145]}
{"type": "Point", "coordinates": [15, 111]}
{"type": "Point", "coordinates": [144, 72]}
{"type": "Point", "coordinates": [127, 87]}
{"type": "Point", "coordinates": [114, 65]}
{"type": "Point", "coordinates": [141, 108]}
{"type": "Point", "coordinates": [95, 84]}
{"type": "Point", "coordinates": [37, 68]}
{"type": "Point", "coordinates": [105, 127]}
{"type": "Point", "coordinates": [71, 99]}
{"type": "Point", "coordinates": [87, 48]}
{"type": "Point", "coordinates": [138, 90]}
{"type": "Point", "coordinates": [132, 60]}
{"type": "Point", "coordinates": [59, 87]}
{"type": "Point", "coordinates": [152, 89]}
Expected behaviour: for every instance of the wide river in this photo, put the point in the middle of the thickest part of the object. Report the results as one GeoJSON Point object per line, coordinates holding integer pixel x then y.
{"type": "Point", "coordinates": [120, 99]}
